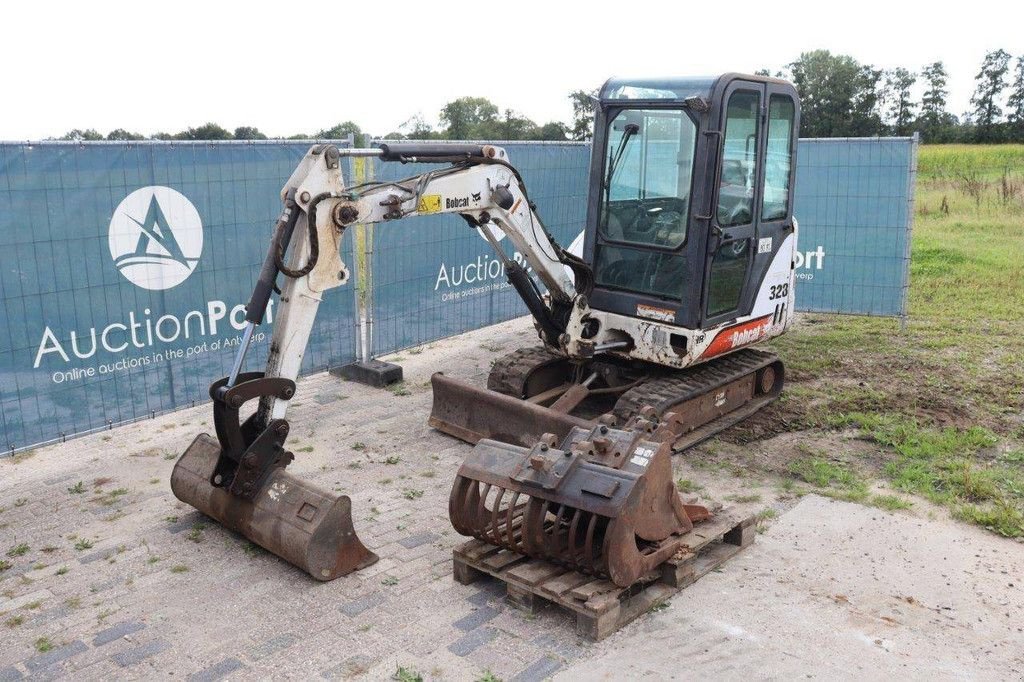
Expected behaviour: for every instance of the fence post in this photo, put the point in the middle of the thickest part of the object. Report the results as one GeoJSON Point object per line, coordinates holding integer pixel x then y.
{"type": "Point", "coordinates": [911, 201]}
{"type": "Point", "coordinates": [365, 369]}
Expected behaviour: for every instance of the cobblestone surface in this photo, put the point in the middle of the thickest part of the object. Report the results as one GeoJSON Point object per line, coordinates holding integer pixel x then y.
{"type": "Point", "coordinates": [125, 581]}
{"type": "Point", "coordinates": [117, 579]}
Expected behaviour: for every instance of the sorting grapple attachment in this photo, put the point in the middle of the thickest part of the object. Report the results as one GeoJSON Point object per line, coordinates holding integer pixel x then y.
{"type": "Point", "coordinates": [239, 479]}
{"type": "Point", "coordinates": [603, 502]}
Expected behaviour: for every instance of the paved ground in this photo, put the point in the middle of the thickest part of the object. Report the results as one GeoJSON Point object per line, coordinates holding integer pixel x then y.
{"type": "Point", "coordinates": [117, 579]}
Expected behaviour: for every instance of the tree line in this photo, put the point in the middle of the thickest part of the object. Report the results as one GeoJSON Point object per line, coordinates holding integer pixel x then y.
{"type": "Point", "coordinates": [840, 97]}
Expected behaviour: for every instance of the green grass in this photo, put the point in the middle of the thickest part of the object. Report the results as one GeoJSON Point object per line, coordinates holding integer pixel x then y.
{"type": "Point", "coordinates": [43, 644]}
{"type": "Point", "coordinates": [831, 478]}
{"type": "Point", "coordinates": [399, 388]}
{"type": "Point", "coordinates": [940, 401]}
{"type": "Point", "coordinates": [403, 674]}
{"type": "Point", "coordinates": [18, 550]}
{"type": "Point", "coordinates": [685, 485]}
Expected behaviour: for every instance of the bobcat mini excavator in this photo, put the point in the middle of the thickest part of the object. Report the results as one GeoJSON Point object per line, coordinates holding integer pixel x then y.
{"type": "Point", "coordinates": [687, 260]}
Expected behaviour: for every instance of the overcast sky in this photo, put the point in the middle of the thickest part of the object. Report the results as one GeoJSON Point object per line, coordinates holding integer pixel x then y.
{"type": "Point", "coordinates": [300, 66]}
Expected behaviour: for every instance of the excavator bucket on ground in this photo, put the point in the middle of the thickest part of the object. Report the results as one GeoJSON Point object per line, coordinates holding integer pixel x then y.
{"type": "Point", "coordinates": [239, 479]}
{"type": "Point", "coordinates": [603, 502]}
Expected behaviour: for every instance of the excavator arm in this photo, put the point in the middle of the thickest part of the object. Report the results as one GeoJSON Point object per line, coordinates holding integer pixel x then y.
{"type": "Point", "coordinates": [480, 185]}
{"type": "Point", "coordinates": [239, 478]}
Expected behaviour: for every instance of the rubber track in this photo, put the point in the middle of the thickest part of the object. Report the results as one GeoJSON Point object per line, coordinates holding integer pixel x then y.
{"type": "Point", "coordinates": [663, 392]}
{"type": "Point", "coordinates": [509, 374]}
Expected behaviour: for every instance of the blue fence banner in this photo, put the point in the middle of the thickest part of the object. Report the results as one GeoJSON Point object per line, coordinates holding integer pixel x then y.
{"type": "Point", "coordinates": [125, 267]}
{"type": "Point", "coordinates": [854, 204]}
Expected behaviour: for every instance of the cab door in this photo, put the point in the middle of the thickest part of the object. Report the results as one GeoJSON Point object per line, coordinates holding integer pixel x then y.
{"type": "Point", "coordinates": [752, 210]}
{"type": "Point", "coordinates": [734, 217]}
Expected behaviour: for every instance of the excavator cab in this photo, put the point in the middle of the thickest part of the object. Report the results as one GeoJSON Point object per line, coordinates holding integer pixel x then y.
{"type": "Point", "coordinates": [690, 194]}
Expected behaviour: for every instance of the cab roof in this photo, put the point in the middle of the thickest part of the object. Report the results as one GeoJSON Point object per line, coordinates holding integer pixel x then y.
{"type": "Point", "coordinates": [671, 89]}
{"type": "Point", "coordinates": [660, 89]}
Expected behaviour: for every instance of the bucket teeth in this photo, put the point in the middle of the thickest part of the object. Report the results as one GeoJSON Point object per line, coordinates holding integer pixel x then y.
{"type": "Point", "coordinates": [603, 503]}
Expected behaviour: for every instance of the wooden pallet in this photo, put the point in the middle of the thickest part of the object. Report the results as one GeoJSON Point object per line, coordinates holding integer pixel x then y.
{"type": "Point", "coordinates": [601, 607]}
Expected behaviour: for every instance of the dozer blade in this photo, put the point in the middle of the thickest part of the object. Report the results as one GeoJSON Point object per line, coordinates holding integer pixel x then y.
{"type": "Point", "coordinates": [471, 414]}
{"type": "Point", "coordinates": [299, 522]}
{"type": "Point", "coordinates": [602, 503]}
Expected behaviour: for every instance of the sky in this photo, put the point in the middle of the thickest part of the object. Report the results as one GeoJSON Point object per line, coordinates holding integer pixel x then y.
{"type": "Point", "coordinates": [304, 65]}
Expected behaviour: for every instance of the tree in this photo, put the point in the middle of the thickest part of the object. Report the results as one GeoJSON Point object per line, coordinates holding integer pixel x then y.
{"type": "Point", "coordinates": [122, 134]}
{"type": "Point", "coordinates": [991, 83]}
{"type": "Point", "coordinates": [78, 135]}
{"type": "Point", "coordinates": [464, 117]}
{"type": "Point", "coordinates": [161, 136]}
{"type": "Point", "coordinates": [582, 114]}
{"type": "Point", "coordinates": [207, 131]}
{"type": "Point", "coordinates": [249, 133]}
{"type": "Point", "coordinates": [552, 130]}
{"type": "Point", "coordinates": [935, 123]}
{"type": "Point", "coordinates": [900, 107]}
{"type": "Point", "coordinates": [1015, 103]}
{"type": "Point", "coordinates": [340, 131]}
{"type": "Point", "coordinates": [839, 96]}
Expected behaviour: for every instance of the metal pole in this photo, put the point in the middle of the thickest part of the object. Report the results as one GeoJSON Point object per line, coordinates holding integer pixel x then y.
{"type": "Point", "coordinates": [368, 264]}
{"type": "Point", "coordinates": [911, 201]}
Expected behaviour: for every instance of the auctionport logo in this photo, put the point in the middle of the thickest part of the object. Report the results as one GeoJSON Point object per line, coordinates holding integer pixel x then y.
{"type": "Point", "coordinates": [156, 237]}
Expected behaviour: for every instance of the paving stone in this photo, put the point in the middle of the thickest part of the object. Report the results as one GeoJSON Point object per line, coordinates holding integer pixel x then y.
{"type": "Point", "coordinates": [56, 613]}
{"type": "Point", "coordinates": [490, 589]}
{"type": "Point", "coordinates": [183, 523]}
{"type": "Point", "coordinates": [140, 653]}
{"type": "Point", "coordinates": [61, 653]}
{"type": "Point", "coordinates": [417, 540]}
{"type": "Point", "coordinates": [472, 641]}
{"type": "Point", "coordinates": [558, 645]}
{"type": "Point", "coordinates": [541, 669]}
{"type": "Point", "coordinates": [117, 632]}
{"type": "Point", "coordinates": [10, 674]}
{"type": "Point", "coordinates": [351, 667]}
{"type": "Point", "coordinates": [357, 606]}
{"type": "Point", "coordinates": [476, 619]}
{"type": "Point", "coordinates": [274, 644]}
{"type": "Point", "coordinates": [97, 555]}
{"type": "Point", "coordinates": [216, 671]}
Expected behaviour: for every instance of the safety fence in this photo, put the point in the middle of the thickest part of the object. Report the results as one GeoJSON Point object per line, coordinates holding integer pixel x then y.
{"type": "Point", "coordinates": [125, 266]}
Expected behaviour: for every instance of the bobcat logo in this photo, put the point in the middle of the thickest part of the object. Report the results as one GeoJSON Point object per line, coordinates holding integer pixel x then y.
{"type": "Point", "coordinates": [476, 196]}
{"type": "Point", "coordinates": [156, 237]}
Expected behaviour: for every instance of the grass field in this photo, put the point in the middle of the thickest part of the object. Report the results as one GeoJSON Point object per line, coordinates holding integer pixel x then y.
{"type": "Point", "coordinates": [935, 410]}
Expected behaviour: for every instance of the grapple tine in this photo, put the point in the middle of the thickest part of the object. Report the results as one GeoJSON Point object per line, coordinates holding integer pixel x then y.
{"type": "Point", "coordinates": [573, 528]}
{"type": "Point", "coordinates": [495, 511]}
{"type": "Point", "coordinates": [588, 544]}
{"type": "Point", "coordinates": [511, 516]}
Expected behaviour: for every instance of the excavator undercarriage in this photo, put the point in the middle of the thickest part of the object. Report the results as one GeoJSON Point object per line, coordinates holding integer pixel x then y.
{"type": "Point", "coordinates": [532, 391]}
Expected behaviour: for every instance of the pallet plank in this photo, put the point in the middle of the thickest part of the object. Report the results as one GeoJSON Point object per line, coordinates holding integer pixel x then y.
{"type": "Point", "coordinates": [601, 607]}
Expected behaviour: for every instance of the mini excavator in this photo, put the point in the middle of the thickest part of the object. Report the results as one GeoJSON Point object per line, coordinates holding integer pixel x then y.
{"type": "Point", "coordinates": [687, 261]}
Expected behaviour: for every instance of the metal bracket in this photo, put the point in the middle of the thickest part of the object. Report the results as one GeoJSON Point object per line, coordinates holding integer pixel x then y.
{"type": "Point", "coordinates": [248, 450]}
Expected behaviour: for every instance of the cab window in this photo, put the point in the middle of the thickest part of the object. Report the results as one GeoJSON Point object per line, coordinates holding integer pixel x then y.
{"type": "Point", "coordinates": [647, 175]}
{"type": "Point", "coordinates": [779, 158]}
{"type": "Point", "coordinates": [739, 160]}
